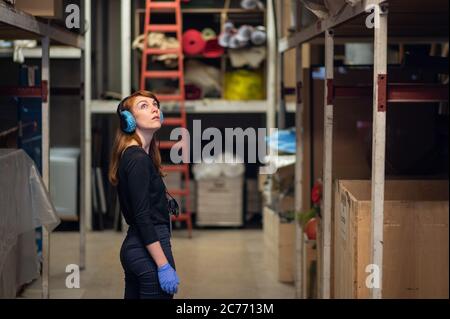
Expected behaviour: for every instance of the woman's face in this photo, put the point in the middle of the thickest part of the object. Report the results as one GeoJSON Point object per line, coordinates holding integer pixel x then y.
{"type": "Point", "coordinates": [146, 113]}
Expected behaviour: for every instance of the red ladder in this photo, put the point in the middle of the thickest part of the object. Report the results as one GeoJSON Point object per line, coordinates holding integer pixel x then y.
{"type": "Point", "coordinates": [174, 7]}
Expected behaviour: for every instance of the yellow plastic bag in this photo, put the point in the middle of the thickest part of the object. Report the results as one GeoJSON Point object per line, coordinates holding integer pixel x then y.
{"type": "Point", "coordinates": [244, 85]}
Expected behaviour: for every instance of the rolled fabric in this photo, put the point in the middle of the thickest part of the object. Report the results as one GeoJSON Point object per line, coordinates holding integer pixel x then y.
{"type": "Point", "coordinates": [252, 4]}
{"type": "Point", "coordinates": [224, 40]}
{"type": "Point", "coordinates": [259, 36]}
{"type": "Point", "coordinates": [208, 34]}
{"type": "Point", "coordinates": [245, 32]}
{"type": "Point", "coordinates": [234, 42]}
{"type": "Point", "coordinates": [228, 27]}
{"type": "Point", "coordinates": [213, 49]}
{"type": "Point", "coordinates": [193, 42]}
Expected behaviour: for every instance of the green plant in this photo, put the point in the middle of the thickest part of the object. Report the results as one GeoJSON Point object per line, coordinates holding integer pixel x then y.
{"type": "Point", "coordinates": [304, 217]}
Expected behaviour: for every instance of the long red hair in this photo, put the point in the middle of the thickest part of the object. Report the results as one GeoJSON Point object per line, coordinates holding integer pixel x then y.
{"type": "Point", "coordinates": [123, 140]}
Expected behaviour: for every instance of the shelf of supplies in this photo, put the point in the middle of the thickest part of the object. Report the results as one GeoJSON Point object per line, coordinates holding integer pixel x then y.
{"type": "Point", "coordinates": [205, 106]}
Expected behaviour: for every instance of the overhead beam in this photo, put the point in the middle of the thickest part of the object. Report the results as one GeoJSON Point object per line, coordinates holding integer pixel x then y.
{"type": "Point", "coordinates": [315, 30]}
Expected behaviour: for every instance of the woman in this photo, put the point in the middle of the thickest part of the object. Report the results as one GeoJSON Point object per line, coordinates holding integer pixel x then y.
{"type": "Point", "coordinates": [135, 169]}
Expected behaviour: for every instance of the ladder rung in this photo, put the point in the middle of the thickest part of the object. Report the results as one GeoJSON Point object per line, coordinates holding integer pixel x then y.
{"type": "Point", "coordinates": [173, 121]}
{"type": "Point", "coordinates": [162, 5]}
{"type": "Point", "coordinates": [162, 74]}
{"type": "Point", "coordinates": [167, 97]}
{"type": "Point", "coordinates": [169, 144]}
{"type": "Point", "coordinates": [178, 192]}
{"type": "Point", "coordinates": [176, 168]}
{"type": "Point", "coordinates": [155, 51]}
{"type": "Point", "coordinates": [162, 28]}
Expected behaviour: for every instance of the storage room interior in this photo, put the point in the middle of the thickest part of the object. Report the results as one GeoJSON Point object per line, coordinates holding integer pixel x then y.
{"type": "Point", "coordinates": [352, 97]}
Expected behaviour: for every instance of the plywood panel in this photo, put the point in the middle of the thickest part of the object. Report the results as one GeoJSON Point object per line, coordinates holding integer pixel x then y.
{"type": "Point", "coordinates": [415, 252]}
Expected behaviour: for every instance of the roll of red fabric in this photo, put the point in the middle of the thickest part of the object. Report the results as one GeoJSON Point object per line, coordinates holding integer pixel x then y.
{"type": "Point", "coordinates": [193, 42]}
{"type": "Point", "coordinates": [213, 49]}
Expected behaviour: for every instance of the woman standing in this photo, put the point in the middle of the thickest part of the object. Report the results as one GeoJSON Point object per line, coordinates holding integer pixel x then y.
{"type": "Point", "coordinates": [135, 169]}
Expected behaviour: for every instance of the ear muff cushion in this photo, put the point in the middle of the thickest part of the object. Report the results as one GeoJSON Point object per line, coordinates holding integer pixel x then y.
{"type": "Point", "coordinates": [161, 117]}
{"type": "Point", "coordinates": [128, 122]}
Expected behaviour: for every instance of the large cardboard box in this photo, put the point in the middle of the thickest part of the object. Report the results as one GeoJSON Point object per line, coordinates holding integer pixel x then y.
{"type": "Point", "coordinates": [220, 201]}
{"type": "Point", "coordinates": [279, 243]}
{"type": "Point", "coordinates": [415, 250]}
{"type": "Point", "coordinates": [42, 8]}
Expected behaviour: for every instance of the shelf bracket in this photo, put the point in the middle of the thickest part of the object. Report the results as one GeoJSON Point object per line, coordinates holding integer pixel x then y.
{"type": "Point", "coordinates": [330, 95]}
{"type": "Point", "coordinates": [382, 92]}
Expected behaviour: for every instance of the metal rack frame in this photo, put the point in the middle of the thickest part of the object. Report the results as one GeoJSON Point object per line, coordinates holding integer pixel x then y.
{"type": "Point", "coordinates": [15, 24]}
{"type": "Point", "coordinates": [333, 29]}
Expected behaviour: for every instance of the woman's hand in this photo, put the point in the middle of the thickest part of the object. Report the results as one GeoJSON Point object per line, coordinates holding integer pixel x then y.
{"type": "Point", "coordinates": [168, 279]}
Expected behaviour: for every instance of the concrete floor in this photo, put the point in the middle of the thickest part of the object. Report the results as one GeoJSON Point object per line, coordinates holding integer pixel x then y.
{"type": "Point", "coordinates": [213, 264]}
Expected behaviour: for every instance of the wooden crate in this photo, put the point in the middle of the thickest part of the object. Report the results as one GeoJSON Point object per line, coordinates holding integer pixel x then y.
{"type": "Point", "coordinates": [279, 240]}
{"type": "Point", "coordinates": [415, 253]}
{"type": "Point", "coordinates": [220, 202]}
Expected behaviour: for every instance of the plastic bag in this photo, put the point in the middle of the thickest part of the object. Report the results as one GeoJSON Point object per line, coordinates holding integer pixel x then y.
{"type": "Point", "coordinates": [244, 85]}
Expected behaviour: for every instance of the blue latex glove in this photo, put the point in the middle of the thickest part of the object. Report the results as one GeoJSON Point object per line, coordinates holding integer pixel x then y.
{"type": "Point", "coordinates": [168, 279]}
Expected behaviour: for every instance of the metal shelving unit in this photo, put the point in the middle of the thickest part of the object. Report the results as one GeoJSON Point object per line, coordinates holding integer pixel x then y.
{"type": "Point", "coordinates": [410, 22]}
{"type": "Point", "coordinates": [15, 24]}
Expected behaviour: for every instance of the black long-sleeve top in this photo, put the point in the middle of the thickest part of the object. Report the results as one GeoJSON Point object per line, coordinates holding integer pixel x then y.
{"type": "Point", "coordinates": [142, 193]}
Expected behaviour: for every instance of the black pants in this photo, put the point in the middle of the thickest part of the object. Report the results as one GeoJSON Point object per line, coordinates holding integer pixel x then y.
{"type": "Point", "coordinates": [141, 271]}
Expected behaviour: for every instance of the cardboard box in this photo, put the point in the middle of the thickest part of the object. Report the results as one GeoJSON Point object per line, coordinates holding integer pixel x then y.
{"type": "Point", "coordinates": [220, 202]}
{"type": "Point", "coordinates": [279, 243]}
{"type": "Point", "coordinates": [42, 8]}
{"type": "Point", "coordinates": [415, 252]}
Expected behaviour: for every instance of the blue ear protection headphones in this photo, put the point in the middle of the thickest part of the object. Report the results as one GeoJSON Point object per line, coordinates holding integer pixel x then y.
{"type": "Point", "coordinates": [127, 120]}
